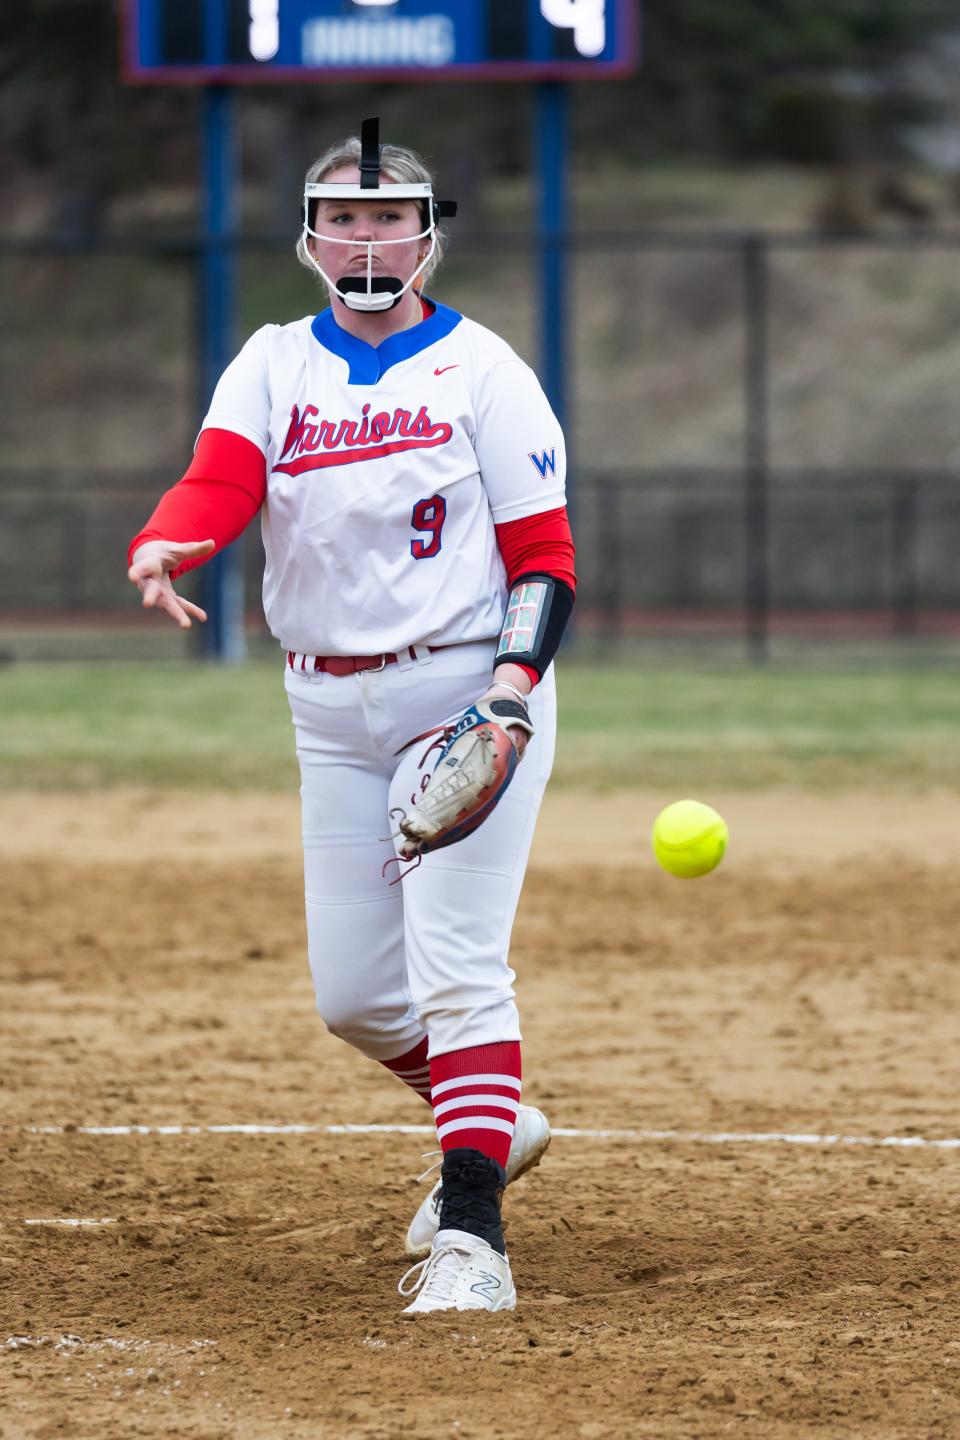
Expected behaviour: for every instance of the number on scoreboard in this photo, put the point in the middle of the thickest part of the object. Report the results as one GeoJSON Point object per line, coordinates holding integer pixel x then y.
{"type": "Point", "coordinates": [237, 41]}
{"type": "Point", "coordinates": [585, 18]}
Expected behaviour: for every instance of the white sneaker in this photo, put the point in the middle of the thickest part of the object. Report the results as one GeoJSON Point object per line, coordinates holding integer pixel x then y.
{"type": "Point", "coordinates": [461, 1272]}
{"type": "Point", "coordinates": [527, 1148]}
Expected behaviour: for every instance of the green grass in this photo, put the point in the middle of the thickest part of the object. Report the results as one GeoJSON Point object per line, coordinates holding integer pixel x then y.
{"type": "Point", "coordinates": [680, 728]}
{"type": "Point", "coordinates": [748, 729]}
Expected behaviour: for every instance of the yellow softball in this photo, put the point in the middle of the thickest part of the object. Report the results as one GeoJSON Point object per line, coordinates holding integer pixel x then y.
{"type": "Point", "coordinates": [689, 838]}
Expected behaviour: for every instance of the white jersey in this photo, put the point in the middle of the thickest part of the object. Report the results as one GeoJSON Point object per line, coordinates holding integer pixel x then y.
{"type": "Point", "coordinates": [387, 468]}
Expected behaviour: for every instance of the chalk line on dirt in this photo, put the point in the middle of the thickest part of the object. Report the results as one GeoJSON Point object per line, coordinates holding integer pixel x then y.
{"type": "Point", "coordinates": [75, 1344]}
{"type": "Point", "coordinates": [642, 1137]}
{"type": "Point", "coordinates": [71, 1220]}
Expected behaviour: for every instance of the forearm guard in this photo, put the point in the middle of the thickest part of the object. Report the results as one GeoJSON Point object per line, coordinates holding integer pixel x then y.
{"type": "Point", "coordinates": [537, 614]}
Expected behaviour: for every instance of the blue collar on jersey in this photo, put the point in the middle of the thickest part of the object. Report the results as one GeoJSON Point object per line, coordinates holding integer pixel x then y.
{"type": "Point", "coordinates": [368, 363]}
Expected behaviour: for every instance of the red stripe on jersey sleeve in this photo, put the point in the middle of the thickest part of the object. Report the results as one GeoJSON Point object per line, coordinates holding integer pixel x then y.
{"type": "Point", "coordinates": [217, 498]}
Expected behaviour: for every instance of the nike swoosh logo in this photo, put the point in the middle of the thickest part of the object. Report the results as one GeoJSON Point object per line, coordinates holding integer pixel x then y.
{"type": "Point", "coordinates": [445, 369]}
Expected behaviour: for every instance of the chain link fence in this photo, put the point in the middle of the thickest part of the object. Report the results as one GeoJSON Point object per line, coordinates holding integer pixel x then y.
{"type": "Point", "coordinates": [764, 429]}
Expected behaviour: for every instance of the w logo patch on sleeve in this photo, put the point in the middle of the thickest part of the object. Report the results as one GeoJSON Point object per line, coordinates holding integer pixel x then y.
{"type": "Point", "coordinates": [544, 460]}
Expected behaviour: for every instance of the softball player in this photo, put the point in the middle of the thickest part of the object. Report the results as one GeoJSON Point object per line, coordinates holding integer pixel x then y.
{"type": "Point", "coordinates": [409, 475]}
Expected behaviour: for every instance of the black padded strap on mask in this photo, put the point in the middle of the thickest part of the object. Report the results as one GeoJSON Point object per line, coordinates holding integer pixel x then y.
{"type": "Point", "coordinates": [537, 613]}
{"type": "Point", "coordinates": [444, 209]}
{"type": "Point", "coordinates": [370, 153]}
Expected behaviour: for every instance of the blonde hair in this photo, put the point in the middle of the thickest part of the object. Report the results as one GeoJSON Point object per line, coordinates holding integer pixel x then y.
{"type": "Point", "coordinates": [404, 167]}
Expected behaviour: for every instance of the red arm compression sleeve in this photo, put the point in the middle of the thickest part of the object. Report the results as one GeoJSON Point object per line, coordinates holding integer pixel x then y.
{"type": "Point", "coordinates": [542, 544]}
{"type": "Point", "coordinates": [216, 499]}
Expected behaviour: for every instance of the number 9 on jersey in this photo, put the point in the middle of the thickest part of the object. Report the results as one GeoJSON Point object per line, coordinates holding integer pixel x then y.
{"type": "Point", "coordinates": [428, 516]}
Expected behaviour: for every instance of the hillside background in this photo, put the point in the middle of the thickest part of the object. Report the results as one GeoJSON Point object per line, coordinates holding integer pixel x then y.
{"type": "Point", "coordinates": [835, 121]}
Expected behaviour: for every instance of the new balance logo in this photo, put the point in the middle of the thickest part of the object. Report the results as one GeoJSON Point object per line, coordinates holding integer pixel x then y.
{"type": "Point", "coordinates": [487, 1285]}
{"type": "Point", "coordinates": [545, 461]}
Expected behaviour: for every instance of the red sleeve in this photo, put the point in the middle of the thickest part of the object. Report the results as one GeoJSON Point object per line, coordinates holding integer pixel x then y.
{"type": "Point", "coordinates": [541, 544]}
{"type": "Point", "coordinates": [538, 543]}
{"type": "Point", "coordinates": [217, 498]}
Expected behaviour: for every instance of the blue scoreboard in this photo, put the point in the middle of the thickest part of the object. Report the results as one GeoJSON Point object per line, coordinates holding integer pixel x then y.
{"type": "Point", "coordinates": [242, 41]}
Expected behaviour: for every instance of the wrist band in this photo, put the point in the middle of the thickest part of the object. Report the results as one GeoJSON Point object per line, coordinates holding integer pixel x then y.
{"type": "Point", "coordinates": [506, 685]}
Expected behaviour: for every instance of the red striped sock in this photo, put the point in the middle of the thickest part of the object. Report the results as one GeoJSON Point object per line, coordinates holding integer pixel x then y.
{"type": "Point", "coordinates": [476, 1094]}
{"type": "Point", "coordinates": [413, 1069]}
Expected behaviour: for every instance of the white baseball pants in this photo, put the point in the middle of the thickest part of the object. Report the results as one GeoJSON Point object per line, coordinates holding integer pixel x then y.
{"type": "Point", "coordinates": [429, 954]}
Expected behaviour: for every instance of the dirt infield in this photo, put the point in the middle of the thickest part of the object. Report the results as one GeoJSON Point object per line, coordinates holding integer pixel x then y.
{"type": "Point", "coordinates": [243, 1285]}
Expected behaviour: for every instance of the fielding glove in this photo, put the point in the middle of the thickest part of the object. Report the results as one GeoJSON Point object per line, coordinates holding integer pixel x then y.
{"type": "Point", "coordinates": [476, 763]}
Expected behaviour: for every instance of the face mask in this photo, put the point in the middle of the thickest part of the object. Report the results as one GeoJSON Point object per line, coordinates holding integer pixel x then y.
{"type": "Point", "coordinates": [373, 292]}
{"type": "Point", "coordinates": [369, 291]}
